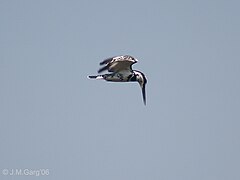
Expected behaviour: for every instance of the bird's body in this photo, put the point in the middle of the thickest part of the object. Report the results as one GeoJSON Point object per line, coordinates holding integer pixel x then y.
{"type": "Point", "coordinates": [121, 68]}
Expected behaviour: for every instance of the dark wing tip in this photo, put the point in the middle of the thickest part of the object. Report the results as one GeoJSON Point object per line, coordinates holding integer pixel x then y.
{"type": "Point", "coordinates": [106, 61]}
{"type": "Point", "coordinates": [92, 77]}
{"type": "Point", "coordinates": [102, 63]}
{"type": "Point", "coordinates": [103, 69]}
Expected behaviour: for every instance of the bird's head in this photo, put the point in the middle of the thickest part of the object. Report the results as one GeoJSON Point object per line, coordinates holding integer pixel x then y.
{"type": "Point", "coordinates": [140, 78]}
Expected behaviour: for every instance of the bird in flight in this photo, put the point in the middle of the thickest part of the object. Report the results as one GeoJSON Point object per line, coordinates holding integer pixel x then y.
{"type": "Point", "coordinates": [121, 71]}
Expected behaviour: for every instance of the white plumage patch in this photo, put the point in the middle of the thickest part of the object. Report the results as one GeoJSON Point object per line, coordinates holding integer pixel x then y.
{"type": "Point", "coordinates": [99, 77]}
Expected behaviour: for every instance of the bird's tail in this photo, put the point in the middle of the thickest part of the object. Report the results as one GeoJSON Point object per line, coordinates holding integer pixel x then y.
{"type": "Point", "coordinates": [96, 77]}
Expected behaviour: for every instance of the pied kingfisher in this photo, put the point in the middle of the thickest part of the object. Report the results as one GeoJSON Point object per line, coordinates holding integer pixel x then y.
{"type": "Point", "coordinates": [121, 68]}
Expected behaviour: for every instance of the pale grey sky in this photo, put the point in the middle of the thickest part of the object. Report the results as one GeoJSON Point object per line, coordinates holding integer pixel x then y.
{"type": "Point", "coordinates": [52, 117]}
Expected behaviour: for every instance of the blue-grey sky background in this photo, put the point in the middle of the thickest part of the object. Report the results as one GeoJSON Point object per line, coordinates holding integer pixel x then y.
{"type": "Point", "coordinates": [53, 117]}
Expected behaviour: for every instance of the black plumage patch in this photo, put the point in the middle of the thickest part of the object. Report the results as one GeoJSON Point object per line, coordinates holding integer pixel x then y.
{"type": "Point", "coordinates": [132, 77]}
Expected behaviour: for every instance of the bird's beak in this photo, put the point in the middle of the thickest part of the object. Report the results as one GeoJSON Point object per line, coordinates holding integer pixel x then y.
{"type": "Point", "coordinates": [142, 85]}
{"type": "Point", "coordinates": [144, 94]}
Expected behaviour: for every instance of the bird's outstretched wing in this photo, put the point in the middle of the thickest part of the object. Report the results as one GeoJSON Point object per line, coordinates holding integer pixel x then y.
{"type": "Point", "coordinates": [118, 63]}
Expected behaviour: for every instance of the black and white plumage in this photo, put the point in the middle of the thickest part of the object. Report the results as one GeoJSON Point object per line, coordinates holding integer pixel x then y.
{"type": "Point", "coordinates": [121, 68]}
